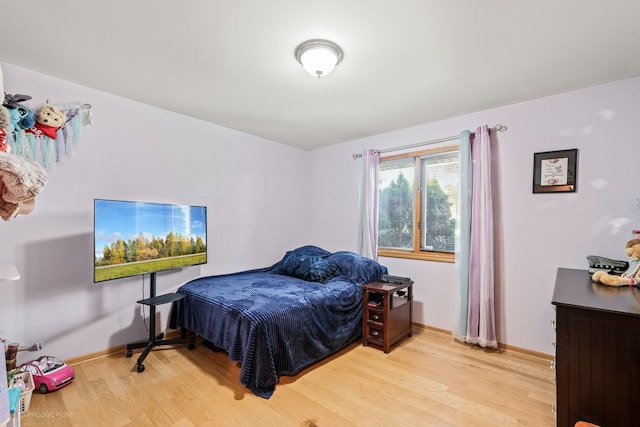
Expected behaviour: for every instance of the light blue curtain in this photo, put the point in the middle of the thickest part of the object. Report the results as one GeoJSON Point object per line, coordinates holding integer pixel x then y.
{"type": "Point", "coordinates": [464, 233]}
{"type": "Point", "coordinates": [368, 228]}
{"type": "Point", "coordinates": [475, 253]}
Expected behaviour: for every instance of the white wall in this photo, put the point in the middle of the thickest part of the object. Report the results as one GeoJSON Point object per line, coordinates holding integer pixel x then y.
{"type": "Point", "coordinates": [265, 198]}
{"type": "Point", "coordinates": [137, 152]}
{"type": "Point", "coordinates": [536, 233]}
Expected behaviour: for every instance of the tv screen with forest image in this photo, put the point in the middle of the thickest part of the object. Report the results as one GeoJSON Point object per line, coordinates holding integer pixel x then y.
{"type": "Point", "coordinates": [132, 238]}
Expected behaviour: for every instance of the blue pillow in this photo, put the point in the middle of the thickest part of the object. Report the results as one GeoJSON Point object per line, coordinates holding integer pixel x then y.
{"type": "Point", "coordinates": [357, 268]}
{"type": "Point", "coordinates": [311, 268]}
{"type": "Point", "coordinates": [308, 250]}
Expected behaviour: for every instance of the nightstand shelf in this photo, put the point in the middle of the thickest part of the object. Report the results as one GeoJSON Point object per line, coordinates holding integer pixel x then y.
{"type": "Point", "coordinates": [386, 313]}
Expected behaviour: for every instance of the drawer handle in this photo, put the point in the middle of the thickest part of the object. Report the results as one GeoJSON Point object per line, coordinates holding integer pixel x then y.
{"type": "Point", "coordinates": [374, 333]}
{"type": "Point", "coordinates": [375, 317]}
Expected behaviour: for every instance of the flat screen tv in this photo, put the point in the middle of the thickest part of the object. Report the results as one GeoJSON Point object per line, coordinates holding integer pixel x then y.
{"type": "Point", "coordinates": [132, 238]}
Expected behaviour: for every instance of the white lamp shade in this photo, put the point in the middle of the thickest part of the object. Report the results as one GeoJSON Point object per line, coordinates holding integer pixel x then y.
{"type": "Point", "coordinates": [9, 272]}
{"type": "Point", "coordinates": [318, 57]}
{"type": "Point", "coordinates": [318, 62]}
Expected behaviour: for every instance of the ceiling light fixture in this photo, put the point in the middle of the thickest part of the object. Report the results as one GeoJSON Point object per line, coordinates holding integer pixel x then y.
{"type": "Point", "coordinates": [318, 57]}
{"type": "Point", "coordinates": [9, 272]}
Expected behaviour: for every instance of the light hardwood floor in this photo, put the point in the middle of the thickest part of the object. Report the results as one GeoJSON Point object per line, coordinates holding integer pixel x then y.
{"type": "Point", "coordinates": [426, 380]}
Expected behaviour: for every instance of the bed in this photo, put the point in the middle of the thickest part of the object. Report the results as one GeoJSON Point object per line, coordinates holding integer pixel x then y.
{"type": "Point", "coordinates": [281, 319]}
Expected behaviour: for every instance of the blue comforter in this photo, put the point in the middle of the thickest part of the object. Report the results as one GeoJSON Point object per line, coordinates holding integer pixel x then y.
{"type": "Point", "coordinates": [274, 322]}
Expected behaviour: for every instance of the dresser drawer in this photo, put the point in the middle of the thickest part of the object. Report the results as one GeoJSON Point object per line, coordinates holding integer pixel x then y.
{"type": "Point", "coordinates": [375, 334]}
{"type": "Point", "coordinates": [376, 316]}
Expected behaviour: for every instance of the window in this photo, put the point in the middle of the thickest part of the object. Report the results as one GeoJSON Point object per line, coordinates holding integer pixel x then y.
{"type": "Point", "coordinates": [418, 204]}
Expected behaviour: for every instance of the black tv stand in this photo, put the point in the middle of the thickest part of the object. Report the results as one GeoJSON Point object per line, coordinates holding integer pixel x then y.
{"type": "Point", "coordinates": [156, 340]}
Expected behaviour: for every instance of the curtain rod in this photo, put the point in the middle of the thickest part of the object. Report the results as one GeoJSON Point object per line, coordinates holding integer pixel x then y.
{"type": "Point", "coordinates": [496, 128]}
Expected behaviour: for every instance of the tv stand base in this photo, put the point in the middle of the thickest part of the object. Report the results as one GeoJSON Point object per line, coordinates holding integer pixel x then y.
{"type": "Point", "coordinates": [157, 340]}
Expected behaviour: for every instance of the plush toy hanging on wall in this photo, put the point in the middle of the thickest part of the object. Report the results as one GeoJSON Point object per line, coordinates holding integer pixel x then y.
{"type": "Point", "coordinates": [20, 179]}
{"type": "Point", "coordinates": [49, 119]}
{"type": "Point", "coordinates": [20, 182]}
{"type": "Point", "coordinates": [50, 133]}
{"type": "Point", "coordinates": [5, 122]}
{"type": "Point", "coordinates": [22, 118]}
{"type": "Point", "coordinates": [32, 140]}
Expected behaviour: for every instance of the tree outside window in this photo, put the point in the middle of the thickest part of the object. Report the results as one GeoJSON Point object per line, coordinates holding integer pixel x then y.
{"type": "Point", "coordinates": [418, 204]}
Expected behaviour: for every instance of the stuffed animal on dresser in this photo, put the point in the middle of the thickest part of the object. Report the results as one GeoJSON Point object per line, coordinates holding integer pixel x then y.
{"type": "Point", "coordinates": [631, 277]}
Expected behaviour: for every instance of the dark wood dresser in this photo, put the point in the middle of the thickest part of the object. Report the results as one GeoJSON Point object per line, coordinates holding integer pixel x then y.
{"type": "Point", "coordinates": [597, 351]}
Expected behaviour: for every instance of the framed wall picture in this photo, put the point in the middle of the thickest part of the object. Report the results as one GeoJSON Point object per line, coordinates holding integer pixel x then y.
{"type": "Point", "coordinates": [555, 171]}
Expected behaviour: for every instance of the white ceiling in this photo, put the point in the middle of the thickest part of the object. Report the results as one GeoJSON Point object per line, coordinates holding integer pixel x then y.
{"type": "Point", "coordinates": [406, 62]}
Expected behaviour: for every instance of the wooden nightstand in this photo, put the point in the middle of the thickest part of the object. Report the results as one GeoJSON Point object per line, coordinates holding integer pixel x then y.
{"type": "Point", "coordinates": [386, 313]}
